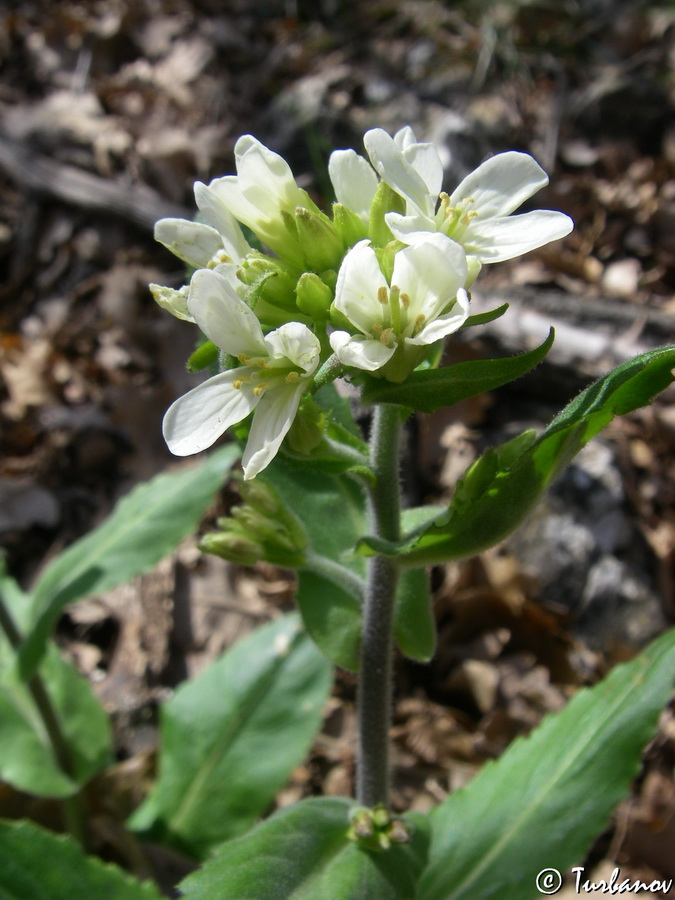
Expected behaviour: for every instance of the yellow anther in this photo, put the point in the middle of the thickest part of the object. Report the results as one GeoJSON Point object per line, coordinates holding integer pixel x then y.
{"type": "Point", "coordinates": [405, 299]}
{"type": "Point", "coordinates": [386, 336]}
{"type": "Point", "coordinates": [377, 329]}
{"type": "Point", "coordinates": [244, 359]}
{"type": "Point", "coordinates": [292, 378]}
{"type": "Point", "coordinates": [383, 295]}
{"type": "Point", "coordinates": [259, 388]}
{"type": "Point", "coordinates": [419, 321]}
{"type": "Point", "coordinates": [237, 383]}
{"type": "Point", "coordinates": [468, 216]}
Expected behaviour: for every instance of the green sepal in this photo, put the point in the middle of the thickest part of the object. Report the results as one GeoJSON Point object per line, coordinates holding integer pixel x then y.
{"type": "Point", "coordinates": [204, 356]}
{"type": "Point", "coordinates": [483, 318]}
{"type": "Point", "coordinates": [430, 389]}
{"type": "Point", "coordinates": [348, 225]}
{"type": "Point", "coordinates": [321, 243]}
{"type": "Point", "coordinates": [385, 200]}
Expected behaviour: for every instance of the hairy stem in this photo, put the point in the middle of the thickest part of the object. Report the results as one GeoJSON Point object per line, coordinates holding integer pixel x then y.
{"type": "Point", "coordinates": [375, 672]}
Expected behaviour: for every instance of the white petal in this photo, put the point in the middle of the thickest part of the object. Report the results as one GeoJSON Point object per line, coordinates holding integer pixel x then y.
{"type": "Point", "coordinates": [504, 238]}
{"type": "Point", "coordinates": [427, 163]}
{"type": "Point", "coordinates": [218, 215]}
{"type": "Point", "coordinates": [444, 325]}
{"type": "Point", "coordinates": [172, 301]}
{"type": "Point", "coordinates": [360, 352]}
{"type": "Point", "coordinates": [272, 419]}
{"type": "Point", "coordinates": [403, 226]}
{"type": "Point", "coordinates": [389, 162]}
{"type": "Point", "coordinates": [192, 242]}
{"type": "Point", "coordinates": [358, 282]}
{"type": "Point", "coordinates": [294, 342]}
{"type": "Point", "coordinates": [405, 137]}
{"type": "Point", "coordinates": [197, 419]}
{"type": "Point", "coordinates": [265, 178]}
{"type": "Point", "coordinates": [228, 191]}
{"type": "Point", "coordinates": [430, 273]}
{"type": "Point", "coordinates": [501, 184]}
{"type": "Point", "coordinates": [223, 317]}
{"type": "Point", "coordinates": [354, 181]}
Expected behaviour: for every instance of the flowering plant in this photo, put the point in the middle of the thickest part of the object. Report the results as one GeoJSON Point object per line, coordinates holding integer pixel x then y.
{"type": "Point", "coordinates": [289, 301]}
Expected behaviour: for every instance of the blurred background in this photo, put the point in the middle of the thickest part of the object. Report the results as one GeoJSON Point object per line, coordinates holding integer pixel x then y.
{"type": "Point", "coordinates": [109, 111]}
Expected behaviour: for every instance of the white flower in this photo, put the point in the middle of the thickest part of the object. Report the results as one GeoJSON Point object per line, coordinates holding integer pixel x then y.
{"type": "Point", "coordinates": [413, 169]}
{"type": "Point", "coordinates": [216, 245]}
{"type": "Point", "coordinates": [275, 371]}
{"type": "Point", "coordinates": [262, 195]}
{"type": "Point", "coordinates": [478, 213]}
{"type": "Point", "coordinates": [395, 323]}
{"type": "Point", "coordinates": [354, 181]}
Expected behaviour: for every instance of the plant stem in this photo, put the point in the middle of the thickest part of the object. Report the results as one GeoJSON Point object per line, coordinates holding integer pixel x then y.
{"type": "Point", "coordinates": [375, 672]}
{"type": "Point", "coordinates": [72, 806]}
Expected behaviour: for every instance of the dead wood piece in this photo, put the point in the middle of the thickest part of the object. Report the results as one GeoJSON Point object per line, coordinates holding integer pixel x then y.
{"type": "Point", "coordinates": [35, 172]}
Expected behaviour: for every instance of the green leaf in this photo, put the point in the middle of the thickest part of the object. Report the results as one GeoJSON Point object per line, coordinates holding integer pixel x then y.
{"type": "Point", "coordinates": [414, 623]}
{"type": "Point", "coordinates": [501, 487]}
{"type": "Point", "coordinates": [332, 509]}
{"type": "Point", "coordinates": [230, 738]}
{"type": "Point", "coordinates": [332, 617]}
{"type": "Point", "coordinates": [37, 865]}
{"type": "Point", "coordinates": [303, 853]}
{"type": "Point", "coordinates": [431, 389]}
{"type": "Point", "coordinates": [550, 794]}
{"type": "Point", "coordinates": [28, 760]}
{"type": "Point", "coordinates": [144, 526]}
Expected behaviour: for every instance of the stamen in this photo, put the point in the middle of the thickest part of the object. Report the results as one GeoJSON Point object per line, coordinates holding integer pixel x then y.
{"type": "Point", "coordinates": [419, 321]}
{"type": "Point", "coordinates": [292, 378]}
{"type": "Point", "coordinates": [259, 388]}
{"type": "Point", "coordinates": [386, 336]}
{"type": "Point", "coordinates": [383, 295]}
{"type": "Point", "coordinates": [405, 300]}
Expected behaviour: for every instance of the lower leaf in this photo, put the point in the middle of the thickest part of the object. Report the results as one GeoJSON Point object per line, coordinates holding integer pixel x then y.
{"type": "Point", "coordinates": [544, 801]}
{"type": "Point", "coordinates": [303, 853]}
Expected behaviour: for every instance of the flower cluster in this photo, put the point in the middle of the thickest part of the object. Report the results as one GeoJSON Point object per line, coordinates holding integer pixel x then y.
{"type": "Point", "coordinates": [370, 288]}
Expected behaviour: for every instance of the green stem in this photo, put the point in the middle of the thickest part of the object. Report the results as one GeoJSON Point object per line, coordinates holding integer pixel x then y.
{"type": "Point", "coordinates": [73, 810]}
{"type": "Point", "coordinates": [376, 662]}
{"type": "Point", "coordinates": [335, 572]}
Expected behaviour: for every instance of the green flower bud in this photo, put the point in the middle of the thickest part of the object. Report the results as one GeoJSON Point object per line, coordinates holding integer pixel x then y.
{"type": "Point", "coordinates": [259, 496]}
{"type": "Point", "coordinates": [270, 279]}
{"type": "Point", "coordinates": [232, 546]}
{"type": "Point", "coordinates": [321, 244]}
{"type": "Point", "coordinates": [313, 297]}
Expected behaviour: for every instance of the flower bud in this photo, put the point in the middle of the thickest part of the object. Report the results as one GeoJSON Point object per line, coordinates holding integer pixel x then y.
{"type": "Point", "coordinates": [232, 546]}
{"type": "Point", "coordinates": [313, 297]}
{"type": "Point", "coordinates": [270, 279]}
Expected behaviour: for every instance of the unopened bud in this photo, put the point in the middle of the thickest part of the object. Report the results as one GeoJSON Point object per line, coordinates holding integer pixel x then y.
{"type": "Point", "coordinates": [307, 430]}
{"type": "Point", "coordinates": [313, 297]}
{"type": "Point", "coordinates": [233, 547]}
{"type": "Point", "coordinates": [270, 279]}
